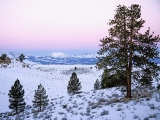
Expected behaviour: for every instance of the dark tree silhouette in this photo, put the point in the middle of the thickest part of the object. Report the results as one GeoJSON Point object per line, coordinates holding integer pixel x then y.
{"type": "Point", "coordinates": [21, 57]}
{"type": "Point", "coordinates": [97, 85]}
{"type": "Point", "coordinates": [40, 98]}
{"type": "Point", "coordinates": [3, 57]}
{"type": "Point", "coordinates": [16, 99]}
{"type": "Point", "coordinates": [74, 85]}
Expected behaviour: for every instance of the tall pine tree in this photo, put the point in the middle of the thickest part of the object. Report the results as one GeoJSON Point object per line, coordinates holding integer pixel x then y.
{"type": "Point", "coordinates": [40, 98]}
{"type": "Point", "coordinates": [16, 99]}
{"type": "Point", "coordinates": [73, 85]}
{"type": "Point", "coordinates": [127, 52]}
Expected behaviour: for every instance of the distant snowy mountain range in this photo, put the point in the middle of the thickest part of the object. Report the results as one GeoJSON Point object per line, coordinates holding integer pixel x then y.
{"type": "Point", "coordinates": [61, 58]}
{"type": "Point", "coordinates": [64, 59]}
{"type": "Point", "coordinates": [57, 58]}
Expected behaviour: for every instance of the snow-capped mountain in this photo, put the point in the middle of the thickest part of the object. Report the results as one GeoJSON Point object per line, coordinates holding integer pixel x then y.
{"type": "Point", "coordinates": [58, 55]}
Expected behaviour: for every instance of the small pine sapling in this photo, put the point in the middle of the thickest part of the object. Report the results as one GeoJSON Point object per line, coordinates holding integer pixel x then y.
{"type": "Point", "coordinates": [97, 85]}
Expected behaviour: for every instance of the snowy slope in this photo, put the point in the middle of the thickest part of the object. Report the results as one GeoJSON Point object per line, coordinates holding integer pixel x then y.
{"type": "Point", "coordinates": [107, 104]}
{"type": "Point", "coordinates": [49, 75]}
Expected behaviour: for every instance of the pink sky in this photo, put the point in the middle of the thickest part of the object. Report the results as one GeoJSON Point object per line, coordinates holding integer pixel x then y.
{"type": "Point", "coordinates": [64, 25]}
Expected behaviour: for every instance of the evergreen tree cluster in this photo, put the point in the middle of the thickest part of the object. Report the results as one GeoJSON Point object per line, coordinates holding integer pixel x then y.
{"type": "Point", "coordinates": [17, 102]}
{"type": "Point", "coordinates": [16, 95]}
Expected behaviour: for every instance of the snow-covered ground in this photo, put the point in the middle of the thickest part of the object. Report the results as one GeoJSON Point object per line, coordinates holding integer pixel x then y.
{"type": "Point", "coordinates": [106, 104]}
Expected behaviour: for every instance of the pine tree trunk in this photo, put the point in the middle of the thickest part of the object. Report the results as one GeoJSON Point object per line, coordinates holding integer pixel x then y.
{"type": "Point", "coordinates": [16, 110]}
{"type": "Point", "coordinates": [130, 63]}
{"type": "Point", "coordinates": [129, 75]}
{"type": "Point", "coordinates": [128, 87]}
{"type": "Point", "coordinates": [128, 78]}
{"type": "Point", "coordinates": [40, 102]}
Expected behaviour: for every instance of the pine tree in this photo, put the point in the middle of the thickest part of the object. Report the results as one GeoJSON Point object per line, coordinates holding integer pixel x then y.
{"type": "Point", "coordinates": [127, 52]}
{"type": "Point", "coordinates": [97, 85]}
{"type": "Point", "coordinates": [3, 57]}
{"type": "Point", "coordinates": [40, 98]}
{"type": "Point", "coordinates": [21, 57]}
{"type": "Point", "coordinates": [16, 99]}
{"type": "Point", "coordinates": [74, 85]}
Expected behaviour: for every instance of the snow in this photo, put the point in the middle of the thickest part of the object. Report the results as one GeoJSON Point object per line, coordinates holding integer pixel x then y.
{"type": "Point", "coordinates": [105, 104]}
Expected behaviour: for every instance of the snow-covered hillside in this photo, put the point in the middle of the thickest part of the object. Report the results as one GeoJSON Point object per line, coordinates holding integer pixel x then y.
{"type": "Point", "coordinates": [107, 104]}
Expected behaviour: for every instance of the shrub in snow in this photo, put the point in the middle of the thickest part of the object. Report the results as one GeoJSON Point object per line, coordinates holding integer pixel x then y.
{"type": "Point", "coordinates": [28, 107]}
{"type": "Point", "coordinates": [153, 115]}
{"type": "Point", "coordinates": [64, 106]}
{"type": "Point", "coordinates": [115, 95]}
{"type": "Point", "coordinates": [158, 87]}
{"type": "Point", "coordinates": [73, 85]}
{"type": "Point", "coordinates": [146, 118]}
{"type": "Point", "coordinates": [152, 106]}
{"type": "Point", "coordinates": [55, 118]}
{"type": "Point", "coordinates": [88, 111]}
{"type": "Point", "coordinates": [40, 98]}
{"type": "Point", "coordinates": [68, 109]}
{"type": "Point", "coordinates": [97, 85]}
{"type": "Point", "coordinates": [104, 112]}
{"type": "Point", "coordinates": [3, 57]}
{"type": "Point", "coordinates": [135, 117]}
{"type": "Point", "coordinates": [75, 68]}
{"type": "Point", "coordinates": [16, 99]}
{"type": "Point", "coordinates": [94, 106]}
{"type": "Point", "coordinates": [109, 81]}
{"type": "Point", "coordinates": [146, 80]}
{"type": "Point", "coordinates": [119, 109]}
{"type": "Point", "coordinates": [64, 118]}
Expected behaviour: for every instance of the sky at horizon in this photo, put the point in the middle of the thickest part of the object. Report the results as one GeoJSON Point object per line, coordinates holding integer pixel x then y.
{"type": "Point", "coordinates": [40, 27]}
